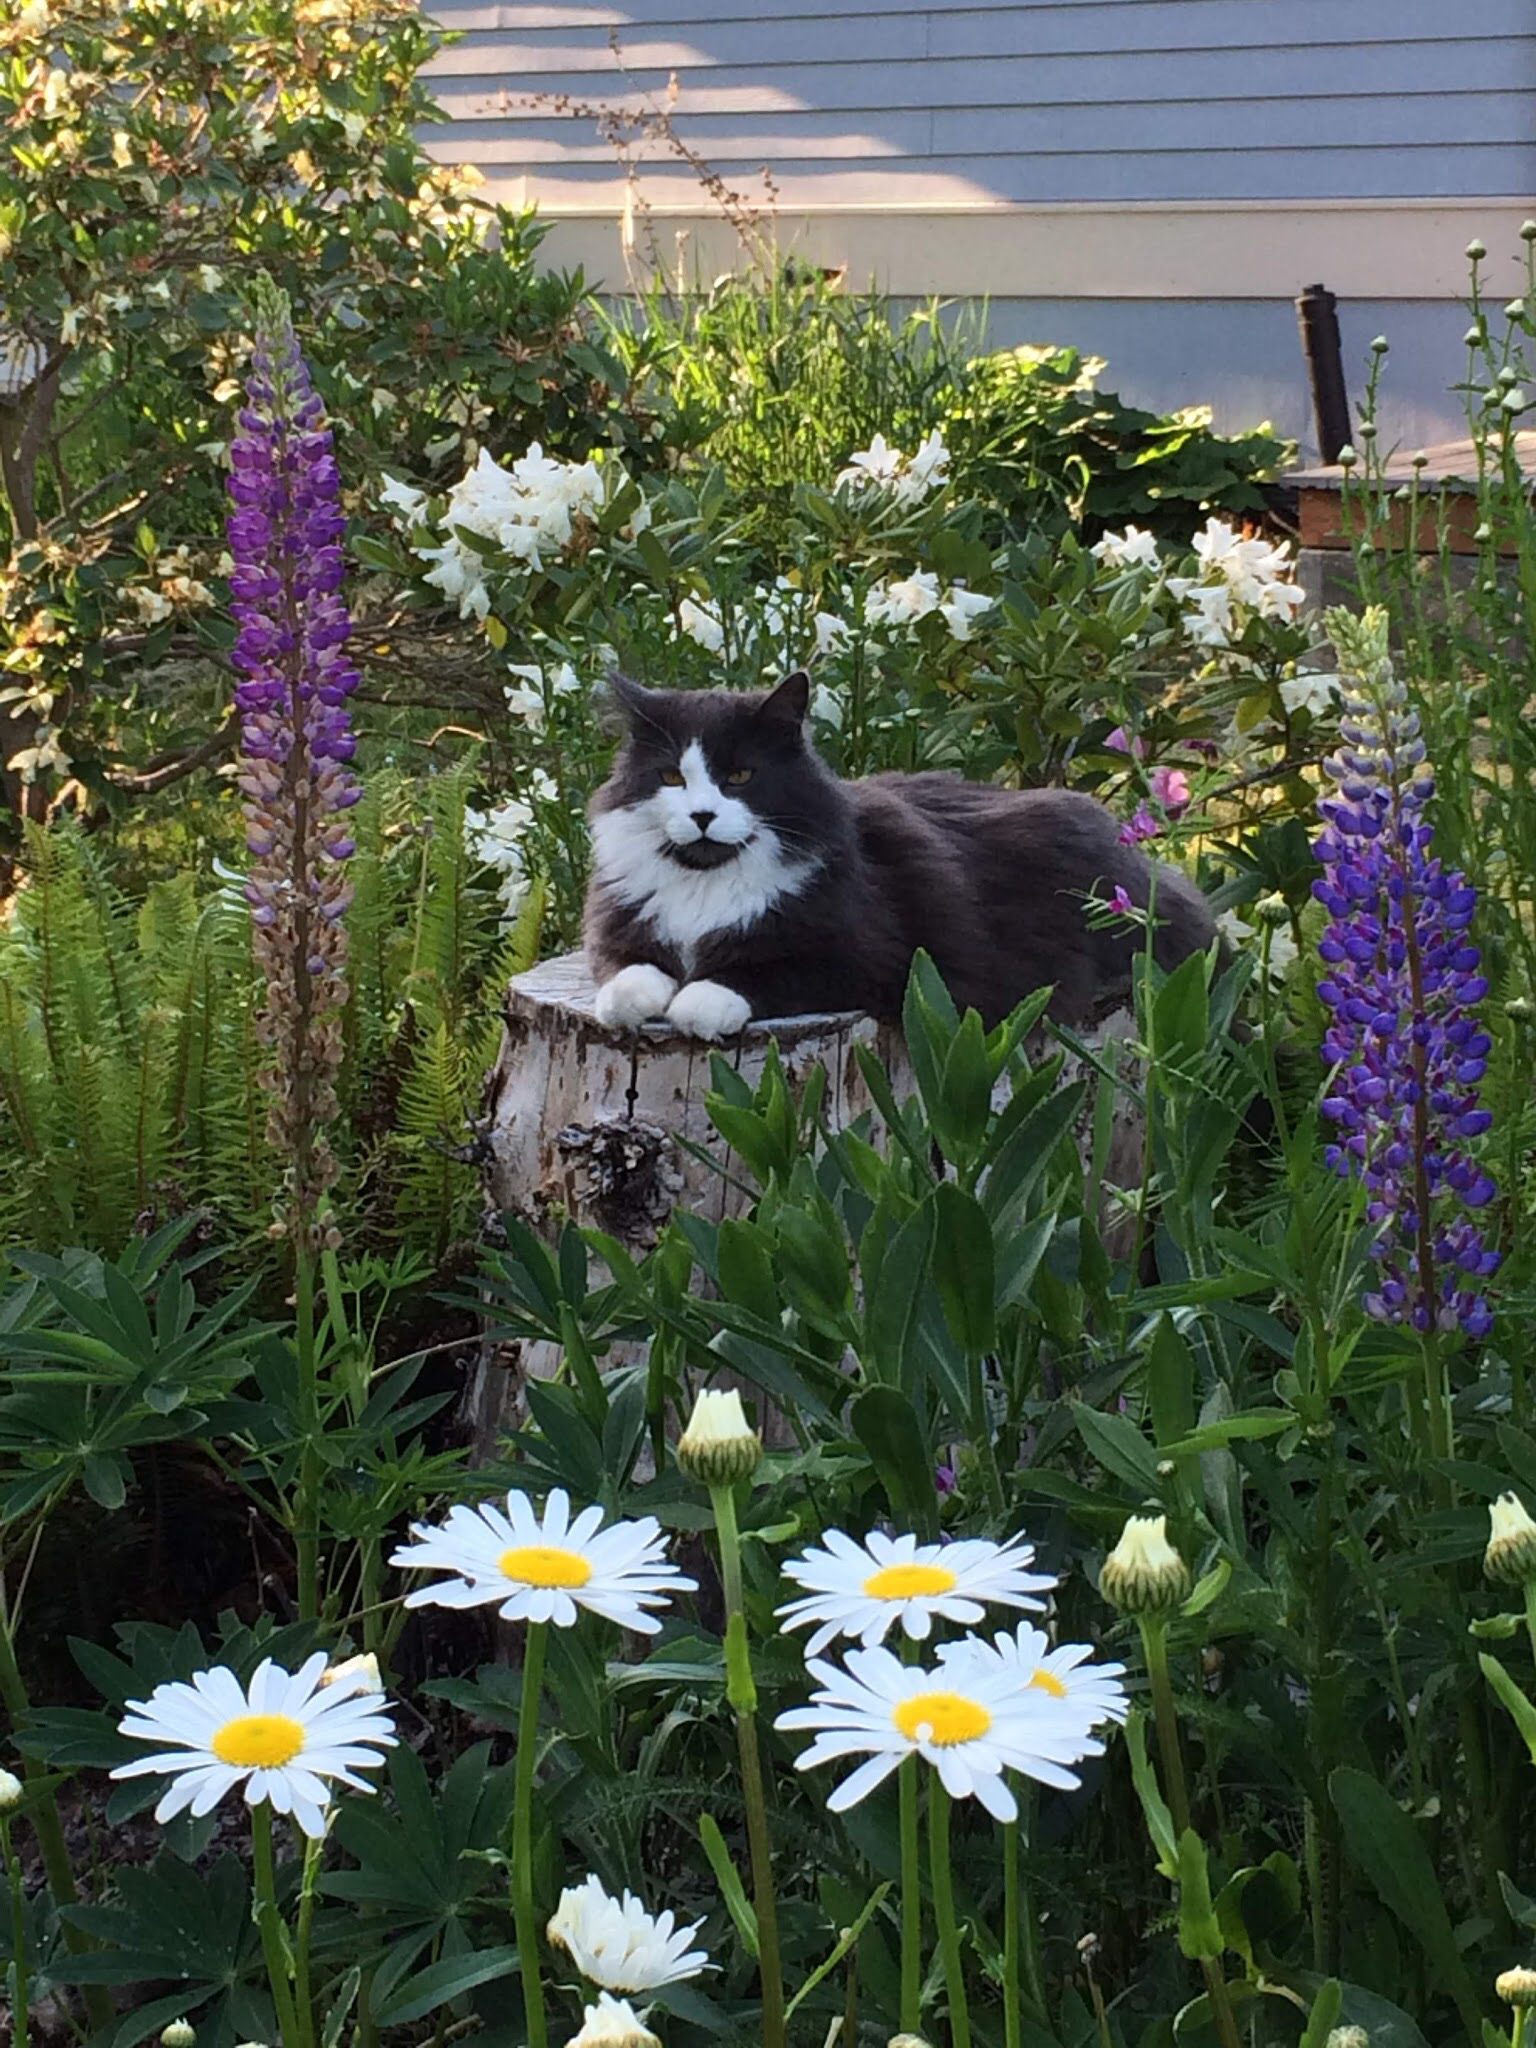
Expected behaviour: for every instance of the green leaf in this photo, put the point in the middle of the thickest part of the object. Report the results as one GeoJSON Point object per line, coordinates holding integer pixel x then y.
{"type": "Point", "coordinates": [1119, 1446]}
{"type": "Point", "coordinates": [1153, 1805]}
{"type": "Point", "coordinates": [1387, 1846]}
{"type": "Point", "coordinates": [737, 1903]}
{"type": "Point", "coordinates": [963, 1269]}
{"type": "Point", "coordinates": [1170, 1383]}
{"type": "Point", "coordinates": [886, 1424]}
{"type": "Point", "coordinates": [1199, 1931]}
{"type": "Point", "coordinates": [442, 1981]}
{"type": "Point", "coordinates": [1324, 2016]}
{"type": "Point", "coordinates": [1521, 1711]}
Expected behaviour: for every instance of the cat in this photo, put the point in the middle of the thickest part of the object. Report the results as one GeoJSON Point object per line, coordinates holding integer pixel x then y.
{"type": "Point", "coordinates": [735, 876]}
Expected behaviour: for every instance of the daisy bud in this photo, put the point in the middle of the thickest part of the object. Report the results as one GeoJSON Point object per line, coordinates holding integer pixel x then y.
{"type": "Point", "coordinates": [719, 1446]}
{"type": "Point", "coordinates": [11, 1791]}
{"type": "Point", "coordinates": [1473, 336]}
{"type": "Point", "coordinates": [1273, 910]}
{"type": "Point", "coordinates": [1348, 2037]}
{"type": "Point", "coordinates": [1367, 430]}
{"type": "Point", "coordinates": [179, 2034]}
{"type": "Point", "coordinates": [1347, 457]}
{"type": "Point", "coordinates": [1517, 1987]}
{"type": "Point", "coordinates": [1421, 460]}
{"type": "Point", "coordinates": [1477, 249]}
{"type": "Point", "coordinates": [1380, 345]}
{"type": "Point", "coordinates": [613, 2023]}
{"type": "Point", "coordinates": [1511, 1552]}
{"type": "Point", "coordinates": [1144, 1574]}
{"type": "Point", "coordinates": [1528, 231]}
{"type": "Point", "coordinates": [1515, 310]}
{"type": "Point", "coordinates": [1520, 1010]}
{"type": "Point", "coordinates": [906, 2041]}
{"type": "Point", "coordinates": [364, 1667]}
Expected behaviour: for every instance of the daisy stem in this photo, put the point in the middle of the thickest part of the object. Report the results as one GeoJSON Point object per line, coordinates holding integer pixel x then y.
{"type": "Point", "coordinates": [911, 1900]}
{"type": "Point", "coordinates": [313, 1852]}
{"type": "Point", "coordinates": [46, 1825]}
{"type": "Point", "coordinates": [1012, 2028]}
{"type": "Point", "coordinates": [944, 1913]}
{"type": "Point", "coordinates": [523, 1907]}
{"type": "Point", "coordinates": [273, 1945]}
{"type": "Point", "coordinates": [21, 1995]}
{"type": "Point", "coordinates": [1530, 1613]}
{"type": "Point", "coordinates": [741, 1691]}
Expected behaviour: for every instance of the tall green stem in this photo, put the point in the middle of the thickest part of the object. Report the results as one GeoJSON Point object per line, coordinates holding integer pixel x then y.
{"type": "Point", "coordinates": [302, 1996]}
{"type": "Point", "coordinates": [911, 1901]}
{"type": "Point", "coordinates": [306, 1514]}
{"type": "Point", "coordinates": [522, 1836]}
{"type": "Point", "coordinates": [270, 1925]}
{"type": "Point", "coordinates": [1154, 1639]}
{"type": "Point", "coordinates": [43, 1812]}
{"type": "Point", "coordinates": [1012, 2017]}
{"type": "Point", "coordinates": [741, 1691]}
{"type": "Point", "coordinates": [1530, 1613]}
{"type": "Point", "coordinates": [944, 1913]}
{"type": "Point", "coordinates": [21, 1991]}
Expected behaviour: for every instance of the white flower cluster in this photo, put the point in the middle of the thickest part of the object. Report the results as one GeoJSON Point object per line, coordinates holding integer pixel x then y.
{"type": "Point", "coordinates": [1241, 935]}
{"type": "Point", "coordinates": [528, 511]}
{"type": "Point", "coordinates": [496, 836]}
{"type": "Point", "coordinates": [906, 600]}
{"type": "Point", "coordinates": [537, 687]}
{"type": "Point", "coordinates": [908, 478]}
{"type": "Point", "coordinates": [780, 613]}
{"type": "Point", "coordinates": [1133, 549]}
{"type": "Point", "coordinates": [1237, 578]}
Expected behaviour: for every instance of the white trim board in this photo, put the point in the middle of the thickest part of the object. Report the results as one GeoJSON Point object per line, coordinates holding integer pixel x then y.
{"type": "Point", "coordinates": [1247, 249]}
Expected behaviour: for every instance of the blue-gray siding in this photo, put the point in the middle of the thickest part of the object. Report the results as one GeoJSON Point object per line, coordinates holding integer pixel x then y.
{"type": "Point", "coordinates": [1072, 100]}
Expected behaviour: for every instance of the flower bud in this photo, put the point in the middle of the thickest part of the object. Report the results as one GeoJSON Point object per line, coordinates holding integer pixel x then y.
{"type": "Point", "coordinates": [1520, 1010]}
{"type": "Point", "coordinates": [1511, 1552]}
{"type": "Point", "coordinates": [1515, 310]}
{"type": "Point", "coordinates": [12, 1791]}
{"type": "Point", "coordinates": [1506, 377]}
{"type": "Point", "coordinates": [364, 1667]}
{"type": "Point", "coordinates": [1380, 345]}
{"type": "Point", "coordinates": [613, 2023]}
{"type": "Point", "coordinates": [719, 1446]}
{"type": "Point", "coordinates": [1514, 399]}
{"type": "Point", "coordinates": [1272, 909]}
{"type": "Point", "coordinates": [1367, 430]}
{"type": "Point", "coordinates": [906, 2041]}
{"type": "Point", "coordinates": [179, 2034]}
{"type": "Point", "coordinates": [1347, 457]}
{"type": "Point", "coordinates": [1483, 532]}
{"type": "Point", "coordinates": [1348, 2037]}
{"type": "Point", "coordinates": [1144, 1574]}
{"type": "Point", "coordinates": [1517, 1987]}
{"type": "Point", "coordinates": [1421, 460]}
{"type": "Point", "coordinates": [1473, 336]}
{"type": "Point", "coordinates": [1528, 231]}
{"type": "Point", "coordinates": [1476, 250]}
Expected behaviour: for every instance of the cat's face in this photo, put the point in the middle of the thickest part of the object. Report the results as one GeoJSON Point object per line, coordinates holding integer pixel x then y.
{"type": "Point", "coordinates": [704, 776]}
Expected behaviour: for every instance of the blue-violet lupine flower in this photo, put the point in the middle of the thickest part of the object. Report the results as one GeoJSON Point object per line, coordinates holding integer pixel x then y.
{"type": "Point", "coordinates": [285, 593]}
{"type": "Point", "coordinates": [1402, 984]}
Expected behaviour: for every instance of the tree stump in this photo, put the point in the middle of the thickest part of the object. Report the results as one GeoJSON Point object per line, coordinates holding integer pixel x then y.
{"type": "Point", "coordinates": [608, 1129]}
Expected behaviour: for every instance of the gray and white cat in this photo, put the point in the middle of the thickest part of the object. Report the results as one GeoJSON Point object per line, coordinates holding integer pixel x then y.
{"type": "Point", "coordinates": [735, 876]}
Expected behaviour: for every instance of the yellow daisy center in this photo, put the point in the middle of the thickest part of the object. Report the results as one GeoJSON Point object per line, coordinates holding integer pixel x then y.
{"type": "Point", "coordinates": [1047, 1681]}
{"type": "Point", "coordinates": [948, 1718]}
{"type": "Point", "coordinates": [543, 1564]}
{"type": "Point", "coordinates": [909, 1581]}
{"type": "Point", "coordinates": [258, 1741]}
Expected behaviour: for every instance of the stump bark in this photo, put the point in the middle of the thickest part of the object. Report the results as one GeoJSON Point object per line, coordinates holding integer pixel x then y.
{"type": "Point", "coordinates": [608, 1129]}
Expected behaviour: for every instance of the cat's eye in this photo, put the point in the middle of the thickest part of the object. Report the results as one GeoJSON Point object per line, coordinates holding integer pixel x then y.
{"type": "Point", "coordinates": [738, 776]}
{"type": "Point", "coordinates": [672, 777]}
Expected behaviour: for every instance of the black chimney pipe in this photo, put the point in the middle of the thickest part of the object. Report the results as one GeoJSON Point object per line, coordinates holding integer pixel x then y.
{"type": "Point", "coordinates": [1317, 314]}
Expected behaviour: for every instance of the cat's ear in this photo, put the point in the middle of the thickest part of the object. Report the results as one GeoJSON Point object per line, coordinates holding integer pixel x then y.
{"type": "Point", "coordinates": [632, 700]}
{"type": "Point", "coordinates": [790, 702]}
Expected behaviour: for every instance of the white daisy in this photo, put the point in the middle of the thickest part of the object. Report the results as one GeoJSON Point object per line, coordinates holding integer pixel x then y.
{"type": "Point", "coordinates": [285, 1735]}
{"type": "Point", "coordinates": [544, 1570]}
{"type": "Point", "coordinates": [612, 2023]}
{"type": "Point", "coordinates": [861, 1589]}
{"type": "Point", "coordinates": [1089, 1694]}
{"type": "Point", "coordinates": [616, 1944]}
{"type": "Point", "coordinates": [969, 1718]}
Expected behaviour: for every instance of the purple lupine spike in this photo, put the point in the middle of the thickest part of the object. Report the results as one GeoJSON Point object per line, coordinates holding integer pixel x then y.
{"type": "Point", "coordinates": [1403, 982]}
{"type": "Point", "coordinates": [285, 593]}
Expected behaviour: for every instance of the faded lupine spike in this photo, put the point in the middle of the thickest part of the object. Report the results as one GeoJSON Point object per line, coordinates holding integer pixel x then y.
{"type": "Point", "coordinates": [1403, 982]}
{"type": "Point", "coordinates": [285, 593]}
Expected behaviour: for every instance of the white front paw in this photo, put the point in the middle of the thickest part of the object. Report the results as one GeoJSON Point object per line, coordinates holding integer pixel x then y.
{"type": "Point", "coordinates": [707, 1009]}
{"type": "Point", "coordinates": [633, 996]}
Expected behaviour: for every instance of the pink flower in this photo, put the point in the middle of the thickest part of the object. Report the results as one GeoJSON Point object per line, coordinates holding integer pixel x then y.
{"type": "Point", "coordinates": [1170, 786]}
{"type": "Point", "coordinates": [1120, 902]}
{"type": "Point", "coordinates": [1120, 742]}
{"type": "Point", "coordinates": [1208, 748]}
{"type": "Point", "coordinates": [1140, 825]}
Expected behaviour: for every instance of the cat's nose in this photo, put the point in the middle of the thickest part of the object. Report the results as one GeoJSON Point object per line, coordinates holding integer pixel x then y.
{"type": "Point", "coordinates": [703, 819]}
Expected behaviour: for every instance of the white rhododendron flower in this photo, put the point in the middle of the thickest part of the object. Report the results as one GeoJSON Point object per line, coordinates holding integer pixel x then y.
{"type": "Point", "coordinates": [832, 633]}
{"type": "Point", "coordinates": [547, 1569]}
{"type": "Point", "coordinates": [961, 607]}
{"type": "Point", "coordinates": [1091, 1692]}
{"type": "Point", "coordinates": [969, 1717]}
{"type": "Point", "coordinates": [908, 478]}
{"type": "Point", "coordinates": [496, 838]}
{"type": "Point", "coordinates": [903, 602]}
{"type": "Point", "coordinates": [1210, 621]}
{"type": "Point", "coordinates": [284, 1738]}
{"type": "Point", "coordinates": [613, 2023]}
{"type": "Point", "coordinates": [1236, 576]}
{"type": "Point", "coordinates": [1241, 935]}
{"type": "Point", "coordinates": [458, 572]}
{"type": "Point", "coordinates": [616, 1944]}
{"type": "Point", "coordinates": [701, 622]}
{"type": "Point", "coordinates": [403, 498]}
{"type": "Point", "coordinates": [864, 1589]}
{"type": "Point", "coordinates": [1133, 549]}
{"type": "Point", "coordinates": [528, 699]}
